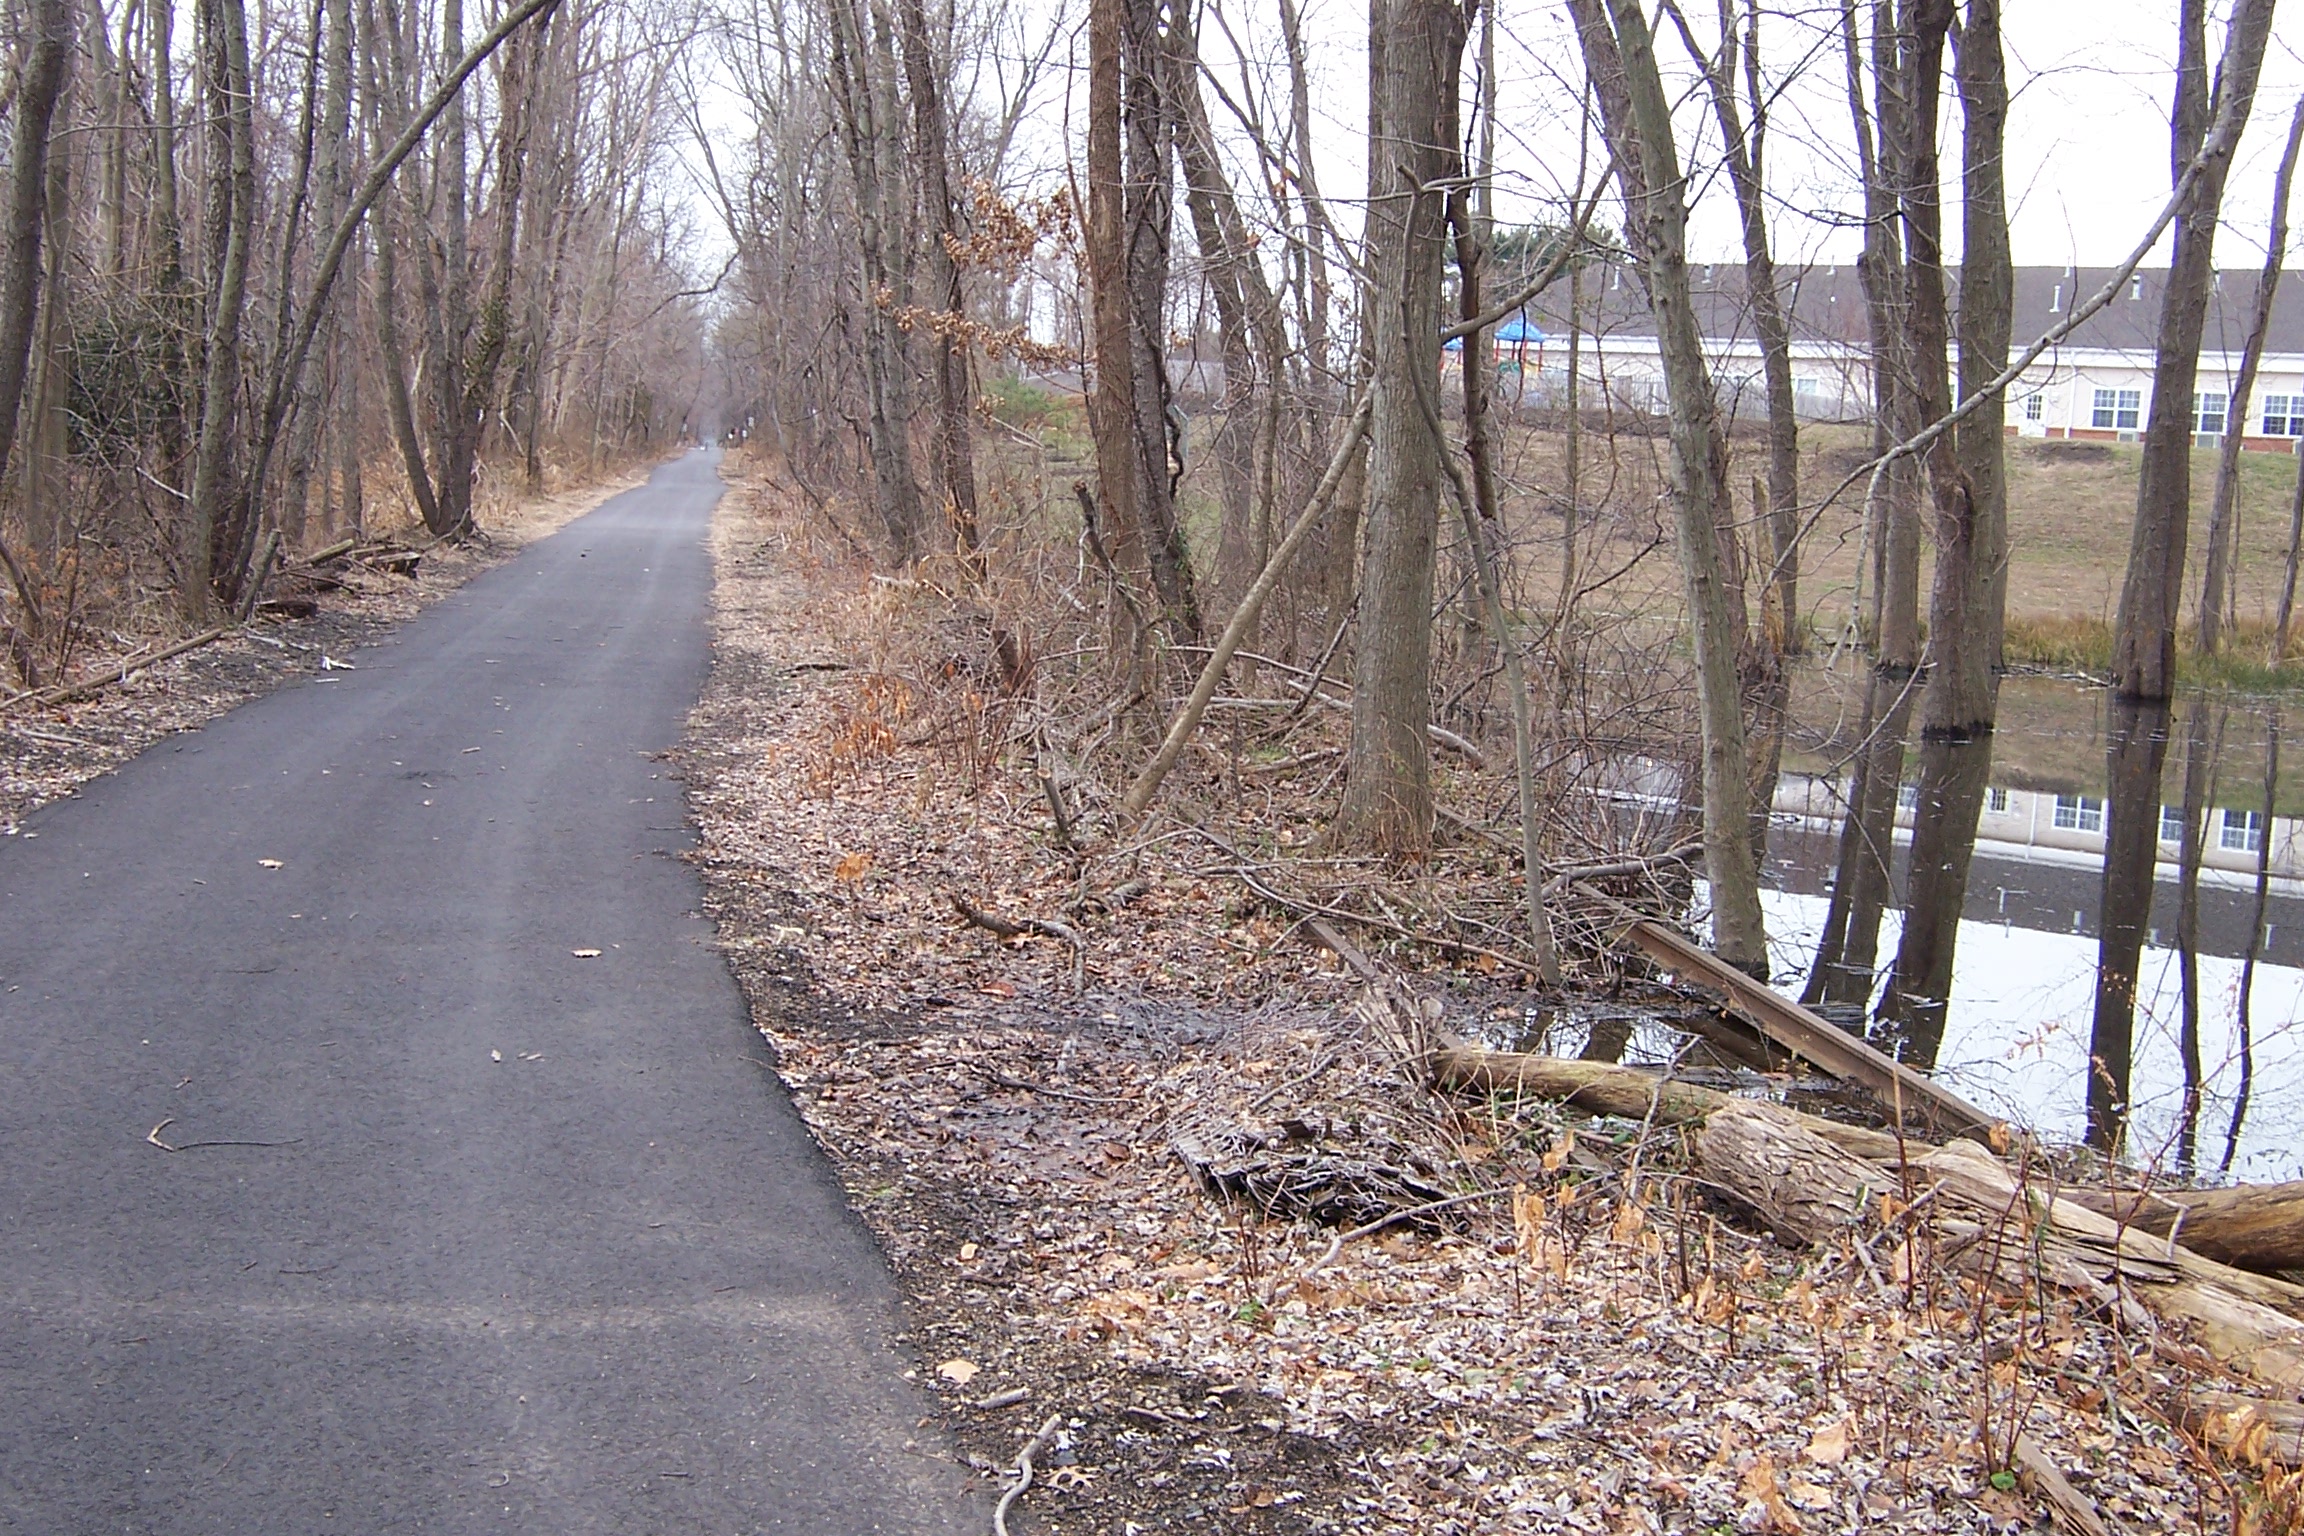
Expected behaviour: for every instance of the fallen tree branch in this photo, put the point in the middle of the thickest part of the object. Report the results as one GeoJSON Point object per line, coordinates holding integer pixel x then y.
{"type": "Point", "coordinates": [1628, 1093]}
{"type": "Point", "coordinates": [1370, 1228]}
{"type": "Point", "coordinates": [1811, 1036]}
{"type": "Point", "coordinates": [1007, 928]}
{"type": "Point", "coordinates": [1015, 1491]}
{"type": "Point", "coordinates": [1140, 793]}
{"type": "Point", "coordinates": [2075, 1511]}
{"type": "Point", "coordinates": [67, 693]}
{"type": "Point", "coordinates": [1684, 854]}
{"type": "Point", "coordinates": [1315, 909]}
{"type": "Point", "coordinates": [341, 547]}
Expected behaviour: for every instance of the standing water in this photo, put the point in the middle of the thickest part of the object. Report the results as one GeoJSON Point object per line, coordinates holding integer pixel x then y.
{"type": "Point", "coordinates": [2016, 1028]}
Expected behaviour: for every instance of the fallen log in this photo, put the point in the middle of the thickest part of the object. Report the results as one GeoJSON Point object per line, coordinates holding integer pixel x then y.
{"type": "Point", "coordinates": [2247, 1428]}
{"type": "Point", "coordinates": [1627, 1092]}
{"type": "Point", "coordinates": [2249, 1226]}
{"type": "Point", "coordinates": [335, 551]}
{"type": "Point", "coordinates": [1812, 1037]}
{"type": "Point", "coordinates": [120, 672]}
{"type": "Point", "coordinates": [1813, 1180]}
{"type": "Point", "coordinates": [1986, 1222]}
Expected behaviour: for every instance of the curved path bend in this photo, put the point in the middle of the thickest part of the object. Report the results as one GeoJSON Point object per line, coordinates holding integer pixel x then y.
{"type": "Point", "coordinates": [463, 1232]}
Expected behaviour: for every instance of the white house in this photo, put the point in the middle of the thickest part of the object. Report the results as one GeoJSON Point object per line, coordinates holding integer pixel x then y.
{"type": "Point", "coordinates": [2096, 384]}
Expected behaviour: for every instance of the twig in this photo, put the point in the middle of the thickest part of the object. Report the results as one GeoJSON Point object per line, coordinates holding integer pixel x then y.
{"type": "Point", "coordinates": [1006, 928]}
{"type": "Point", "coordinates": [1401, 930]}
{"type": "Point", "coordinates": [1026, 1085]}
{"type": "Point", "coordinates": [1575, 872]}
{"type": "Point", "coordinates": [1032, 1448]}
{"type": "Point", "coordinates": [1408, 1213]}
{"type": "Point", "coordinates": [1064, 837]}
{"type": "Point", "coordinates": [153, 1136]}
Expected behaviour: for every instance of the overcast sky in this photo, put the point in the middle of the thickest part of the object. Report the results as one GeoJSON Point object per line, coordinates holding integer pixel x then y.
{"type": "Point", "coordinates": [2087, 137]}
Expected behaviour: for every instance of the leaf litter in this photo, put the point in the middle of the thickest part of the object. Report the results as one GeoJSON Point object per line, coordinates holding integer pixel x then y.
{"type": "Point", "coordinates": [1113, 1176]}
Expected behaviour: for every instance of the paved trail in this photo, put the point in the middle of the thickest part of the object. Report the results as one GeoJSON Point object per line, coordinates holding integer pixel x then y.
{"type": "Point", "coordinates": [391, 1282]}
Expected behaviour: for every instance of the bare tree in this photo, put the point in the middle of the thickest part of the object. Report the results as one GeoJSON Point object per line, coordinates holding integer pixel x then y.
{"type": "Point", "coordinates": [1637, 117]}
{"type": "Point", "coordinates": [2217, 587]}
{"type": "Point", "coordinates": [2144, 631]}
{"type": "Point", "coordinates": [1968, 605]}
{"type": "Point", "coordinates": [1415, 51]}
{"type": "Point", "coordinates": [41, 73]}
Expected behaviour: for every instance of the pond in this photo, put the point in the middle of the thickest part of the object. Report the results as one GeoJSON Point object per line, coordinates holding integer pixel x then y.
{"type": "Point", "coordinates": [2016, 1029]}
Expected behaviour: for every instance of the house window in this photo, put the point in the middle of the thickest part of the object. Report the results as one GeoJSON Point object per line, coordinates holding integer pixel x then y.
{"type": "Point", "coordinates": [2209, 412]}
{"type": "Point", "coordinates": [2035, 406]}
{"type": "Point", "coordinates": [2136, 288]}
{"type": "Point", "coordinates": [2079, 813]}
{"type": "Point", "coordinates": [2172, 824]}
{"type": "Point", "coordinates": [2242, 831]}
{"type": "Point", "coordinates": [1907, 797]}
{"type": "Point", "coordinates": [1996, 800]}
{"type": "Point", "coordinates": [2118, 409]}
{"type": "Point", "coordinates": [2284, 415]}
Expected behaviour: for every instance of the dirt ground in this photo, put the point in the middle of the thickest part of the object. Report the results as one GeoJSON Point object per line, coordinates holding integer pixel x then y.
{"type": "Point", "coordinates": [48, 751]}
{"type": "Point", "coordinates": [1564, 1332]}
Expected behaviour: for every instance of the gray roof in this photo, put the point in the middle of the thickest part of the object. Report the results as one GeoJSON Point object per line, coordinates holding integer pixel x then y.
{"type": "Point", "coordinates": [1828, 305]}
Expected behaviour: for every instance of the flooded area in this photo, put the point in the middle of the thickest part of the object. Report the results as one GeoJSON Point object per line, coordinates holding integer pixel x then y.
{"type": "Point", "coordinates": [2016, 1032]}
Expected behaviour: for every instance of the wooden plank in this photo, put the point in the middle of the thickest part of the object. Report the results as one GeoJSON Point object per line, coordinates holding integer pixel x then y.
{"type": "Point", "coordinates": [1810, 1036]}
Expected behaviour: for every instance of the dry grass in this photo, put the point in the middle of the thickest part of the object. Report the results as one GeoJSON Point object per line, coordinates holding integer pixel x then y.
{"type": "Point", "coordinates": [2070, 511]}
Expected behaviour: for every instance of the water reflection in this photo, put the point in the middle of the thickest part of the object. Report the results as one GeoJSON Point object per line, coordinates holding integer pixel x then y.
{"type": "Point", "coordinates": [2023, 954]}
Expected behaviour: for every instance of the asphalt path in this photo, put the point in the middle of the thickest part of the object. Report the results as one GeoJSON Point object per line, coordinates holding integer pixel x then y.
{"type": "Point", "coordinates": [462, 1231]}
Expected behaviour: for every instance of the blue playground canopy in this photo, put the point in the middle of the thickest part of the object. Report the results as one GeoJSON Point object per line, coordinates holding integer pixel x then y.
{"type": "Point", "coordinates": [1515, 332]}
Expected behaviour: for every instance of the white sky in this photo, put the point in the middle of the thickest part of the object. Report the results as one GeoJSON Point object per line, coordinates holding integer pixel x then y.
{"type": "Point", "coordinates": [2087, 137]}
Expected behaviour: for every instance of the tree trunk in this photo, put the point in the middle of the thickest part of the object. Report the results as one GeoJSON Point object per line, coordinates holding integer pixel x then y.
{"type": "Point", "coordinates": [1247, 320]}
{"type": "Point", "coordinates": [955, 455]}
{"type": "Point", "coordinates": [1657, 221]}
{"type": "Point", "coordinates": [2144, 631]}
{"type": "Point", "coordinates": [2138, 735]}
{"type": "Point", "coordinates": [1150, 217]}
{"type": "Point", "coordinates": [1112, 393]}
{"type": "Point", "coordinates": [45, 66]}
{"type": "Point", "coordinates": [452, 319]}
{"type": "Point", "coordinates": [2217, 581]}
{"type": "Point", "coordinates": [865, 136]}
{"type": "Point", "coordinates": [398, 406]}
{"type": "Point", "coordinates": [1968, 605]}
{"type": "Point", "coordinates": [1415, 49]}
{"type": "Point", "coordinates": [232, 203]}
{"type": "Point", "coordinates": [2246, 1087]}
{"type": "Point", "coordinates": [2201, 751]}
{"type": "Point", "coordinates": [2248, 1226]}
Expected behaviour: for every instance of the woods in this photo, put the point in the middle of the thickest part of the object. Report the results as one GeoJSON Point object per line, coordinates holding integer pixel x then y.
{"type": "Point", "coordinates": [1119, 381]}
{"type": "Point", "coordinates": [228, 243]}
{"type": "Point", "coordinates": [1425, 740]}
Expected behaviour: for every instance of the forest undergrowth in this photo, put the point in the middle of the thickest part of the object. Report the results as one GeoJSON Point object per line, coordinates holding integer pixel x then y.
{"type": "Point", "coordinates": [1150, 1155]}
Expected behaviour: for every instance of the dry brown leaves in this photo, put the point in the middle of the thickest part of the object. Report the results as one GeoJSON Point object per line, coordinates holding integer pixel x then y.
{"type": "Point", "coordinates": [1596, 1346]}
